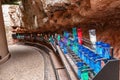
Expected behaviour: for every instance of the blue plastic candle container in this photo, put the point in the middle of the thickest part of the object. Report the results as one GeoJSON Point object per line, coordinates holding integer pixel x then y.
{"type": "Point", "coordinates": [65, 50]}
{"type": "Point", "coordinates": [86, 52]}
{"type": "Point", "coordinates": [87, 57]}
{"type": "Point", "coordinates": [97, 64]}
{"type": "Point", "coordinates": [91, 62]}
{"type": "Point", "coordinates": [80, 51]}
{"type": "Point", "coordinates": [92, 57]}
{"type": "Point", "coordinates": [79, 65]}
{"type": "Point", "coordinates": [106, 51]}
{"type": "Point", "coordinates": [99, 48]}
{"type": "Point", "coordinates": [61, 44]}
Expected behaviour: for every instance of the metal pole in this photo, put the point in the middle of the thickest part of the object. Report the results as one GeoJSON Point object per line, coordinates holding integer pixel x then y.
{"type": "Point", "coordinates": [4, 53]}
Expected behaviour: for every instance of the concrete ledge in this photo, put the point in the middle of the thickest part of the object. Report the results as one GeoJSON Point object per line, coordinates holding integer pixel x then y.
{"type": "Point", "coordinates": [3, 60]}
{"type": "Point", "coordinates": [71, 73]}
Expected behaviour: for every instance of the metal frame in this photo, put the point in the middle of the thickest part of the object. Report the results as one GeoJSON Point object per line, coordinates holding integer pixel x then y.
{"type": "Point", "coordinates": [110, 71]}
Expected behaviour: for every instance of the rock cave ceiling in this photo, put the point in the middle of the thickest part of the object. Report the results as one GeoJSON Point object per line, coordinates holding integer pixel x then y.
{"type": "Point", "coordinates": [49, 16]}
{"type": "Point", "coordinates": [59, 15]}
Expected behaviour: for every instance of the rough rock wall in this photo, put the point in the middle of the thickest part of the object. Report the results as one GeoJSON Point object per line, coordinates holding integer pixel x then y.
{"type": "Point", "coordinates": [108, 32]}
{"type": "Point", "coordinates": [33, 13]}
{"type": "Point", "coordinates": [54, 14]}
{"type": "Point", "coordinates": [11, 17]}
{"type": "Point", "coordinates": [102, 15]}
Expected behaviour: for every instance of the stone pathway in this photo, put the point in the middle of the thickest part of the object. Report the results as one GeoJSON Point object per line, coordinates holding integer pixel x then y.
{"type": "Point", "coordinates": [25, 63]}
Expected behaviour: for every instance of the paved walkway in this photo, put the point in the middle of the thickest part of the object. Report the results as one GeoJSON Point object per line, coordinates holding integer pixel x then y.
{"type": "Point", "coordinates": [25, 64]}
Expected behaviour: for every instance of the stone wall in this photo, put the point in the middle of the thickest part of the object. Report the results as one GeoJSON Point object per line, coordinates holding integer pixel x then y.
{"type": "Point", "coordinates": [11, 17]}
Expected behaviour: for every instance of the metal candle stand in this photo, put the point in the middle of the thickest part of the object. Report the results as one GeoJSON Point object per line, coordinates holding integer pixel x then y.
{"type": "Point", "coordinates": [86, 62]}
{"type": "Point", "coordinates": [109, 70]}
